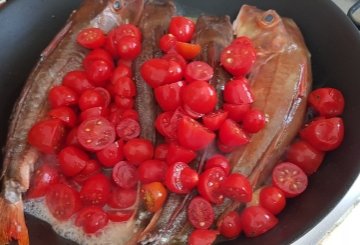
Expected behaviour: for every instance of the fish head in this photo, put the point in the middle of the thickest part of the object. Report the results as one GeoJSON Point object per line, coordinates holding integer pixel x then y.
{"type": "Point", "coordinates": [127, 11]}
{"type": "Point", "coordinates": [265, 28]}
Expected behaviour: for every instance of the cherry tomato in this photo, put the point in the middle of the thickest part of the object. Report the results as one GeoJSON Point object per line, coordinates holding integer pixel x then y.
{"type": "Point", "coordinates": [128, 129]}
{"type": "Point", "coordinates": [231, 134]}
{"type": "Point", "coordinates": [177, 153]}
{"type": "Point", "coordinates": [122, 198]}
{"type": "Point", "coordinates": [328, 102]}
{"type": "Point", "coordinates": [91, 98]}
{"type": "Point", "coordinates": [175, 56]}
{"type": "Point", "coordinates": [237, 187]}
{"type": "Point", "coordinates": [65, 114]}
{"type": "Point", "coordinates": [254, 120]}
{"type": "Point", "coordinates": [96, 134]}
{"type": "Point", "coordinates": [92, 168]}
{"type": "Point", "coordinates": [96, 190]}
{"type": "Point", "coordinates": [94, 112]}
{"type": "Point", "coordinates": [119, 215]}
{"type": "Point", "coordinates": [99, 72]}
{"type": "Point", "coordinates": [215, 119]}
{"type": "Point", "coordinates": [188, 50]}
{"type": "Point", "coordinates": [168, 96]}
{"type": "Point", "coordinates": [157, 72]}
{"type": "Point", "coordinates": [192, 135]}
{"type": "Point", "coordinates": [164, 126]}
{"type": "Point", "coordinates": [256, 220]}
{"type": "Point", "coordinates": [44, 178]}
{"type": "Point", "coordinates": [305, 156]}
{"type": "Point", "coordinates": [110, 44]}
{"type": "Point", "coordinates": [199, 96]}
{"type": "Point", "coordinates": [202, 237]}
{"type": "Point", "coordinates": [198, 71]}
{"type": "Point", "coordinates": [290, 179]}
{"type": "Point", "coordinates": [91, 38]}
{"type": "Point", "coordinates": [47, 135]}
{"type": "Point", "coordinates": [62, 96]}
{"type": "Point", "coordinates": [132, 114]}
{"type": "Point", "coordinates": [167, 42]}
{"type": "Point", "coordinates": [138, 150]}
{"type": "Point", "coordinates": [125, 175]}
{"type": "Point", "coordinates": [152, 171]}
{"type": "Point", "coordinates": [180, 178]}
{"type": "Point", "coordinates": [105, 94]}
{"type": "Point", "coordinates": [230, 225]}
{"type": "Point", "coordinates": [126, 30]}
{"type": "Point", "coordinates": [324, 134]}
{"type": "Point", "coordinates": [218, 161]}
{"type": "Point", "coordinates": [112, 154]}
{"type": "Point", "coordinates": [77, 81]}
{"type": "Point", "coordinates": [97, 54]}
{"type": "Point", "coordinates": [225, 148]}
{"type": "Point", "coordinates": [91, 219]}
{"type": "Point", "coordinates": [161, 152]}
{"type": "Point", "coordinates": [121, 71]}
{"type": "Point", "coordinates": [191, 113]}
{"type": "Point", "coordinates": [238, 59]}
{"type": "Point", "coordinates": [200, 213]}
{"type": "Point", "coordinates": [154, 195]}
{"type": "Point", "coordinates": [62, 201]}
{"type": "Point", "coordinates": [272, 199]}
{"type": "Point", "coordinates": [182, 28]}
{"type": "Point", "coordinates": [209, 184]}
{"type": "Point", "coordinates": [124, 103]}
{"type": "Point", "coordinates": [243, 40]}
{"type": "Point", "coordinates": [71, 138]}
{"type": "Point", "coordinates": [129, 47]}
{"type": "Point", "coordinates": [72, 160]}
{"type": "Point", "coordinates": [236, 112]}
{"type": "Point", "coordinates": [124, 87]}
{"type": "Point", "coordinates": [238, 92]}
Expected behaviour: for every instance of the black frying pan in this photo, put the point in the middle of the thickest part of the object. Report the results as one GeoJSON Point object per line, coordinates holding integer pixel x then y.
{"type": "Point", "coordinates": [26, 27]}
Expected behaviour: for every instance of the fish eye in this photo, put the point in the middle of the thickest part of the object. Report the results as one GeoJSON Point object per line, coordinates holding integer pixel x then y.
{"type": "Point", "coordinates": [268, 18]}
{"type": "Point", "coordinates": [117, 5]}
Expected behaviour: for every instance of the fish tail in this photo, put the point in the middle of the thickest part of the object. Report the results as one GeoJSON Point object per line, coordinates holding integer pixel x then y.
{"type": "Point", "coordinates": [12, 223]}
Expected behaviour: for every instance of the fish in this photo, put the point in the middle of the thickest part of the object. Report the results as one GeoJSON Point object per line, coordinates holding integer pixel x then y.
{"type": "Point", "coordinates": [213, 34]}
{"type": "Point", "coordinates": [61, 56]}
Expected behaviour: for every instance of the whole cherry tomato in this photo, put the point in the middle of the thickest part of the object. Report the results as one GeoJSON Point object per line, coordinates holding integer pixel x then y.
{"type": "Point", "coordinates": [218, 161]}
{"type": "Point", "coordinates": [182, 28]}
{"type": "Point", "coordinates": [72, 160]}
{"type": "Point", "coordinates": [125, 175]}
{"type": "Point", "coordinates": [77, 81]}
{"type": "Point", "coordinates": [168, 96]}
{"type": "Point", "coordinates": [65, 114]}
{"type": "Point", "coordinates": [91, 38]}
{"type": "Point", "coordinates": [177, 153]}
{"type": "Point", "coordinates": [44, 178]}
{"type": "Point", "coordinates": [272, 199]}
{"type": "Point", "coordinates": [129, 47]}
{"type": "Point", "coordinates": [152, 171]}
{"type": "Point", "coordinates": [167, 42]}
{"type": "Point", "coordinates": [154, 195]}
{"type": "Point", "coordinates": [199, 96]}
{"type": "Point", "coordinates": [237, 187]}
{"type": "Point", "coordinates": [121, 71]}
{"type": "Point", "coordinates": [202, 237]}
{"type": "Point", "coordinates": [198, 71]}
{"type": "Point", "coordinates": [238, 92]}
{"type": "Point", "coordinates": [256, 220]}
{"type": "Point", "coordinates": [95, 191]}
{"type": "Point", "coordinates": [238, 59]}
{"type": "Point", "coordinates": [254, 120]}
{"type": "Point", "coordinates": [91, 219]}
{"type": "Point", "coordinates": [215, 119]}
{"type": "Point", "coordinates": [124, 87]}
{"type": "Point", "coordinates": [112, 154]}
{"type": "Point", "coordinates": [91, 98]}
{"type": "Point", "coordinates": [200, 213]}
{"type": "Point", "coordinates": [99, 72]}
{"type": "Point", "coordinates": [231, 134]}
{"type": "Point", "coordinates": [180, 178]}
{"type": "Point", "coordinates": [138, 150]}
{"type": "Point", "coordinates": [328, 102]}
{"type": "Point", "coordinates": [209, 184]}
{"type": "Point", "coordinates": [230, 225]}
{"type": "Point", "coordinates": [62, 96]}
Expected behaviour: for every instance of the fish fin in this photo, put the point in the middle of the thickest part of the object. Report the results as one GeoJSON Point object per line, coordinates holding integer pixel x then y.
{"type": "Point", "coordinates": [12, 222]}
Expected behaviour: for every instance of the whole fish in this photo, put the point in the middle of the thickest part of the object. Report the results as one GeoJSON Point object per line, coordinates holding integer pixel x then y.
{"type": "Point", "coordinates": [60, 57]}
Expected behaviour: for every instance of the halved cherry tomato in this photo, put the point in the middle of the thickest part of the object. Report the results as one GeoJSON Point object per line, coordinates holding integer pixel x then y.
{"type": "Point", "coordinates": [199, 96]}
{"type": "Point", "coordinates": [97, 54]}
{"type": "Point", "coordinates": [177, 153]}
{"type": "Point", "coordinates": [305, 156]}
{"type": "Point", "coordinates": [202, 237]}
{"type": "Point", "coordinates": [272, 199]}
{"type": "Point", "coordinates": [99, 72]}
{"type": "Point", "coordinates": [121, 71]}
{"type": "Point", "coordinates": [200, 213]}
{"type": "Point", "coordinates": [71, 138]}
{"type": "Point", "coordinates": [236, 112]}
{"type": "Point", "coordinates": [124, 87]}
{"type": "Point", "coordinates": [125, 175]}
{"type": "Point", "coordinates": [238, 92]}
{"type": "Point", "coordinates": [254, 120]}
{"type": "Point", "coordinates": [138, 150]}
{"type": "Point", "coordinates": [243, 40]}
{"type": "Point", "coordinates": [95, 134]}
{"type": "Point", "coordinates": [129, 47]}
{"type": "Point", "coordinates": [93, 112]}
{"type": "Point", "coordinates": [62, 96]}
{"type": "Point", "coordinates": [290, 179]}
{"type": "Point", "coordinates": [215, 119]}
{"type": "Point", "coordinates": [167, 42]}
{"type": "Point", "coordinates": [175, 56]}
{"type": "Point", "coordinates": [238, 59]}
{"type": "Point", "coordinates": [237, 187]}
{"type": "Point", "coordinates": [91, 98]}
{"type": "Point", "coordinates": [182, 28]}
{"type": "Point", "coordinates": [324, 134]}
{"type": "Point", "coordinates": [198, 71]}
{"type": "Point", "coordinates": [180, 178]}
{"type": "Point", "coordinates": [154, 195]}
{"type": "Point", "coordinates": [105, 94]}
{"type": "Point", "coordinates": [161, 151]}
{"type": "Point", "coordinates": [72, 160]}
{"type": "Point", "coordinates": [218, 161]}
{"type": "Point", "coordinates": [130, 113]}
{"type": "Point", "coordinates": [152, 171]}
{"type": "Point", "coordinates": [91, 38]}
{"type": "Point", "coordinates": [188, 50]}
{"type": "Point", "coordinates": [65, 114]}
{"type": "Point", "coordinates": [47, 135]}
{"type": "Point", "coordinates": [112, 154]}
{"type": "Point", "coordinates": [209, 184]}
{"type": "Point", "coordinates": [192, 135]}
{"type": "Point", "coordinates": [92, 168]}
{"type": "Point", "coordinates": [62, 201]}
{"type": "Point", "coordinates": [224, 148]}
{"type": "Point", "coordinates": [124, 103]}
{"type": "Point", "coordinates": [128, 129]}
{"type": "Point", "coordinates": [126, 30]}
{"type": "Point", "coordinates": [164, 126]}
{"type": "Point", "coordinates": [328, 102]}
{"type": "Point", "coordinates": [230, 225]}
{"type": "Point", "coordinates": [44, 178]}
{"type": "Point", "coordinates": [96, 190]}
{"type": "Point", "coordinates": [77, 81]}
{"type": "Point", "coordinates": [191, 113]}
{"type": "Point", "coordinates": [168, 96]}
{"type": "Point", "coordinates": [256, 220]}
{"type": "Point", "coordinates": [91, 219]}
{"type": "Point", "coordinates": [231, 134]}
{"type": "Point", "coordinates": [110, 44]}
{"type": "Point", "coordinates": [122, 198]}
{"type": "Point", "coordinates": [119, 215]}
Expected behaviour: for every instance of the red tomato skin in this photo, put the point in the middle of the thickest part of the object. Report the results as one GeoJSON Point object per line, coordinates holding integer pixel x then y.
{"type": "Point", "coordinates": [126, 30]}
{"type": "Point", "coordinates": [230, 225]}
{"type": "Point", "coordinates": [99, 72]}
{"type": "Point", "coordinates": [152, 171]}
{"type": "Point", "coordinates": [121, 71]}
{"type": "Point", "coordinates": [128, 129]}
{"type": "Point", "coordinates": [212, 193]}
{"type": "Point", "coordinates": [124, 87]}
{"type": "Point", "coordinates": [175, 56]}
{"type": "Point", "coordinates": [199, 96]}
{"type": "Point", "coordinates": [328, 102]}
{"type": "Point", "coordinates": [44, 177]}
{"type": "Point", "coordinates": [129, 47]}
{"type": "Point", "coordinates": [124, 103]}
{"type": "Point", "coordinates": [218, 161]}
{"type": "Point", "coordinates": [167, 42]}
{"type": "Point", "coordinates": [238, 92]}
{"type": "Point", "coordinates": [192, 135]}
{"type": "Point", "coordinates": [324, 134]}
{"type": "Point", "coordinates": [254, 121]}
{"type": "Point", "coordinates": [198, 71]}
{"type": "Point", "coordinates": [94, 112]}
{"type": "Point", "coordinates": [119, 215]}
{"type": "Point", "coordinates": [65, 114]}
{"type": "Point", "coordinates": [112, 154]}
{"type": "Point", "coordinates": [71, 138]}
{"type": "Point", "coordinates": [161, 152]}
{"type": "Point", "coordinates": [92, 168]}
{"type": "Point", "coordinates": [92, 219]}
{"type": "Point", "coordinates": [231, 134]}
{"type": "Point", "coordinates": [237, 187]}
{"type": "Point", "coordinates": [243, 40]}
{"type": "Point", "coordinates": [305, 156]}
{"type": "Point", "coordinates": [125, 175]}
{"type": "Point", "coordinates": [177, 153]}
{"type": "Point", "coordinates": [138, 150]}
{"type": "Point", "coordinates": [214, 120]}
{"type": "Point", "coordinates": [202, 237]}
{"type": "Point", "coordinates": [154, 195]}
{"type": "Point", "coordinates": [224, 148]}
{"type": "Point", "coordinates": [72, 160]}
{"type": "Point", "coordinates": [164, 126]}
{"type": "Point", "coordinates": [180, 178]}
{"type": "Point", "coordinates": [95, 191]}
{"type": "Point", "coordinates": [47, 135]}
{"type": "Point", "coordinates": [168, 96]}
{"type": "Point", "coordinates": [236, 112]}
{"type": "Point", "coordinates": [256, 220]}
{"type": "Point", "coordinates": [77, 81]}
{"type": "Point", "coordinates": [97, 54]}
{"type": "Point", "coordinates": [272, 199]}
{"type": "Point", "coordinates": [182, 28]}
{"type": "Point", "coordinates": [91, 98]}
{"type": "Point", "coordinates": [122, 198]}
{"type": "Point", "coordinates": [62, 96]}
{"type": "Point", "coordinates": [91, 38]}
{"type": "Point", "coordinates": [110, 44]}
{"type": "Point", "coordinates": [188, 51]}
{"type": "Point", "coordinates": [200, 213]}
{"type": "Point", "coordinates": [132, 114]}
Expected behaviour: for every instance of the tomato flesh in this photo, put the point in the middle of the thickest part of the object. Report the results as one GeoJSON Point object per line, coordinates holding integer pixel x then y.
{"type": "Point", "coordinates": [272, 199]}
{"type": "Point", "coordinates": [230, 225]}
{"type": "Point", "coordinates": [94, 112]}
{"type": "Point", "coordinates": [95, 191]}
{"type": "Point", "coordinates": [180, 178]}
{"type": "Point", "coordinates": [154, 195]}
{"type": "Point", "coordinates": [328, 102]}
{"type": "Point", "coordinates": [238, 92]}
{"type": "Point", "coordinates": [125, 175]}
{"type": "Point", "coordinates": [91, 38]}
{"type": "Point", "coordinates": [128, 129]}
{"type": "Point", "coordinates": [152, 171]}
{"type": "Point", "coordinates": [138, 150]}
{"type": "Point", "coordinates": [188, 50]}
{"type": "Point", "coordinates": [231, 134]}
{"type": "Point", "coordinates": [72, 160]}
{"type": "Point", "coordinates": [256, 220]}
{"type": "Point", "coordinates": [122, 198]}
{"type": "Point", "coordinates": [198, 71]}
{"type": "Point", "coordinates": [177, 153]}
{"type": "Point", "coordinates": [112, 154]}
{"type": "Point", "coordinates": [203, 237]}
{"type": "Point", "coordinates": [161, 152]}
{"type": "Point", "coordinates": [237, 187]}
{"type": "Point", "coordinates": [200, 213]}
{"type": "Point", "coordinates": [119, 215]}
{"type": "Point", "coordinates": [218, 161]}
{"type": "Point", "coordinates": [91, 219]}
{"type": "Point", "coordinates": [209, 184]}
{"type": "Point", "coordinates": [214, 120]}
{"type": "Point", "coordinates": [92, 168]}
{"type": "Point", "coordinates": [44, 178]}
